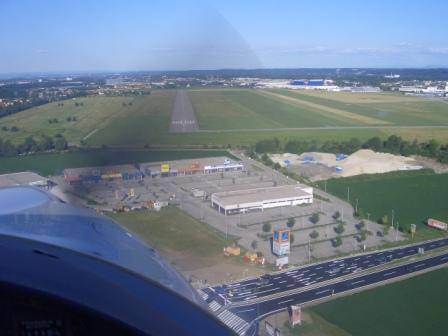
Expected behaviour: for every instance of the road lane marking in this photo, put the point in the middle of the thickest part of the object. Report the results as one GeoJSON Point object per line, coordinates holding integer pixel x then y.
{"type": "Point", "coordinates": [281, 302]}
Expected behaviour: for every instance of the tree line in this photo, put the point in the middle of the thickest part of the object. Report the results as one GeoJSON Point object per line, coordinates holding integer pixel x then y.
{"type": "Point", "coordinates": [393, 144]}
{"type": "Point", "coordinates": [31, 145]}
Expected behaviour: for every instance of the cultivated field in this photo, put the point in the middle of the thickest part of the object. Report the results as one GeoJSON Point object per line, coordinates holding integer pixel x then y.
{"type": "Point", "coordinates": [415, 306]}
{"type": "Point", "coordinates": [414, 197]}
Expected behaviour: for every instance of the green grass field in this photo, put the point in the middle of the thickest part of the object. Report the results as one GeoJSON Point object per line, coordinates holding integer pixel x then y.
{"type": "Point", "coordinates": [227, 113]}
{"type": "Point", "coordinates": [391, 108]}
{"type": "Point", "coordinates": [52, 164]}
{"type": "Point", "coordinates": [416, 306]}
{"type": "Point", "coordinates": [414, 197]}
{"type": "Point", "coordinates": [173, 230]}
{"type": "Point", "coordinates": [248, 109]}
{"type": "Point", "coordinates": [104, 117]}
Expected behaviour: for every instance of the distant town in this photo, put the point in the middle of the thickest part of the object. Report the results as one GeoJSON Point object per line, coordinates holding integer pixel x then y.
{"type": "Point", "coordinates": [18, 93]}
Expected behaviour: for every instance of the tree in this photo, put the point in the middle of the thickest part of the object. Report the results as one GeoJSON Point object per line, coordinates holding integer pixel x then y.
{"type": "Point", "coordinates": [432, 148]}
{"type": "Point", "coordinates": [29, 144]}
{"type": "Point", "coordinates": [290, 222]}
{"type": "Point", "coordinates": [360, 213]}
{"type": "Point", "coordinates": [9, 149]}
{"type": "Point", "coordinates": [362, 224]}
{"type": "Point", "coordinates": [314, 218]}
{"type": "Point", "coordinates": [254, 244]}
{"type": "Point", "coordinates": [5, 128]}
{"type": "Point", "coordinates": [339, 229]}
{"type": "Point", "coordinates": [393, 144]}
{"type": "Point", "coordinates": [384, 220]}
{"type": "Point", "coordinates": [363, 235]}
{"type": "Point", "coordinates": [46, 143]}
{"type": "Point", "coordinates": [60, 144]}
{"type": "Point", "coordinates": [337, 215]}
{"type": "Point", "coordinates": [352, 145]}
{"type": "Point", "coordinates": [337, 241]}
{"type": "Point", "coordinates": [314, 234]}
{"type": "Point", "coordinates": [374, 144]}
{"type": "Point", "coordinates": [277, 166]}
{"type": "Point", "coordinates": [267, 146]}
{"type": "Point", "coordinates": [267, 227]}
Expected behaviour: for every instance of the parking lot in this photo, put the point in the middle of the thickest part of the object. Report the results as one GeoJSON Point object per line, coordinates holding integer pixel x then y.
{"type": "Point", "coordinates": [248, 227]}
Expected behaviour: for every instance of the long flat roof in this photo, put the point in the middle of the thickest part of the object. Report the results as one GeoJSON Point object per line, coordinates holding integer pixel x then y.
{"type": "Point", "coordinates": [174, 165]}
{"type": "Point", "coordinates": [227, 198]}
{"type": "Point", "coordinates": [22, 178]}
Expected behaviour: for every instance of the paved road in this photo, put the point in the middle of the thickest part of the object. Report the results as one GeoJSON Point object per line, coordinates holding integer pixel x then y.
{"type": "Point", "coordinates": [183, 119]}
{"type": "Point", "coordinates": [239, 304]}
{"type": "Point", "coordinates": [251, 312]}
{"type": "Point", "coordinates": [256, 288]}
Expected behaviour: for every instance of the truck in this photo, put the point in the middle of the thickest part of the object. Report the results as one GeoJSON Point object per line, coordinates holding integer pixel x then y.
{"type": "Point", "coordinates": [434, 223]}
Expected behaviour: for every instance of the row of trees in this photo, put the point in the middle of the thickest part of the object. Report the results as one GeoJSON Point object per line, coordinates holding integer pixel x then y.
{"type": "Point", "coordinates": [393, 144]}
{"type": "Point", "coordinates": [12, 129]}
{"type": "Point", "coordinates": [30, 145]}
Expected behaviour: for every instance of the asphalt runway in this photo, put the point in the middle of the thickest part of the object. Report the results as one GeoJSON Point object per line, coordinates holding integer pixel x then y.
{"type": "Point", "coordinates": [183, 119]}
{"type": "Point", "coordinates": [238, 304]}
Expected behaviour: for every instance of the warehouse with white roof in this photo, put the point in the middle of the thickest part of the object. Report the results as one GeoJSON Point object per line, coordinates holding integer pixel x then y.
{"type": "Point", "coordinates": [241, 201]}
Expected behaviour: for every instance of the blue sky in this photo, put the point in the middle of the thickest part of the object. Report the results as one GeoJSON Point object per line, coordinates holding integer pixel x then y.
{"type": "Point", "coordinates": [104, 35]}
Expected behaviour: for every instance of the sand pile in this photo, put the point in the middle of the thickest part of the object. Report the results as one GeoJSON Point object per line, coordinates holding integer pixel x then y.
{"type": "Point", "coordinates": [364, 161]}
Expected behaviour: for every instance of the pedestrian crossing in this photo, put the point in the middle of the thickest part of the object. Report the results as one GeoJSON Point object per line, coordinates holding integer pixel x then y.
{"type": "Point", "coordinates": [214, 306]}
{"type": "Point", "coordinates": [203, 295]}
{"type": "Point", "coordinates": [233, 321]}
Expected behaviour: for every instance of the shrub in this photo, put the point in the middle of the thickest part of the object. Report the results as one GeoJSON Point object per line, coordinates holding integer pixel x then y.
{"type": "Point", "coordinates": [314, 218]}
{"type": "Point", "coordinates": [314, 234]}
{"type": "Point", "coordinates": [254, 244]}
{"type": "Point", "coordinates": [290, 222]}
{"type": "Point", "coordinates": [267, 227]}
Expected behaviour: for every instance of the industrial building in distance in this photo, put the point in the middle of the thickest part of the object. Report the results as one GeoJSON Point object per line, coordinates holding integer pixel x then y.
{"type": "Point", "coordinates": [241, 201]}
{"type": "Point", "coordinates": [154, 169]}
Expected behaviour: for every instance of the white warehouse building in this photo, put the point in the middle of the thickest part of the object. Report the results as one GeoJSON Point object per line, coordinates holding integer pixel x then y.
{"type": "Point", "coordinates": [241, 201]}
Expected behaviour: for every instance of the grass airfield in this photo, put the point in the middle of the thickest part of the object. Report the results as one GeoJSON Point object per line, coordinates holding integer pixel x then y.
{"type": "Point", "coordinates": [234, 116]}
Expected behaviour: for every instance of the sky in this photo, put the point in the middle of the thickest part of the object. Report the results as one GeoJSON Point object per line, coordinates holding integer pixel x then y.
{"type": "Point", "coordinates": [131, 35]}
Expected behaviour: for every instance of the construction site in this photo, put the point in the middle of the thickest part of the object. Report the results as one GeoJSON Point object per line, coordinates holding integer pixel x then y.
{"type": "Point", "coordinates": [242, 199]}
{"type": "Point", "coordinates": [318, 166]}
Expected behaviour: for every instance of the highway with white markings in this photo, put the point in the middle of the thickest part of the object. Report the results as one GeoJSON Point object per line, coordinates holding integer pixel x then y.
{"type": "Point", "coordinates": [239, 304]}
